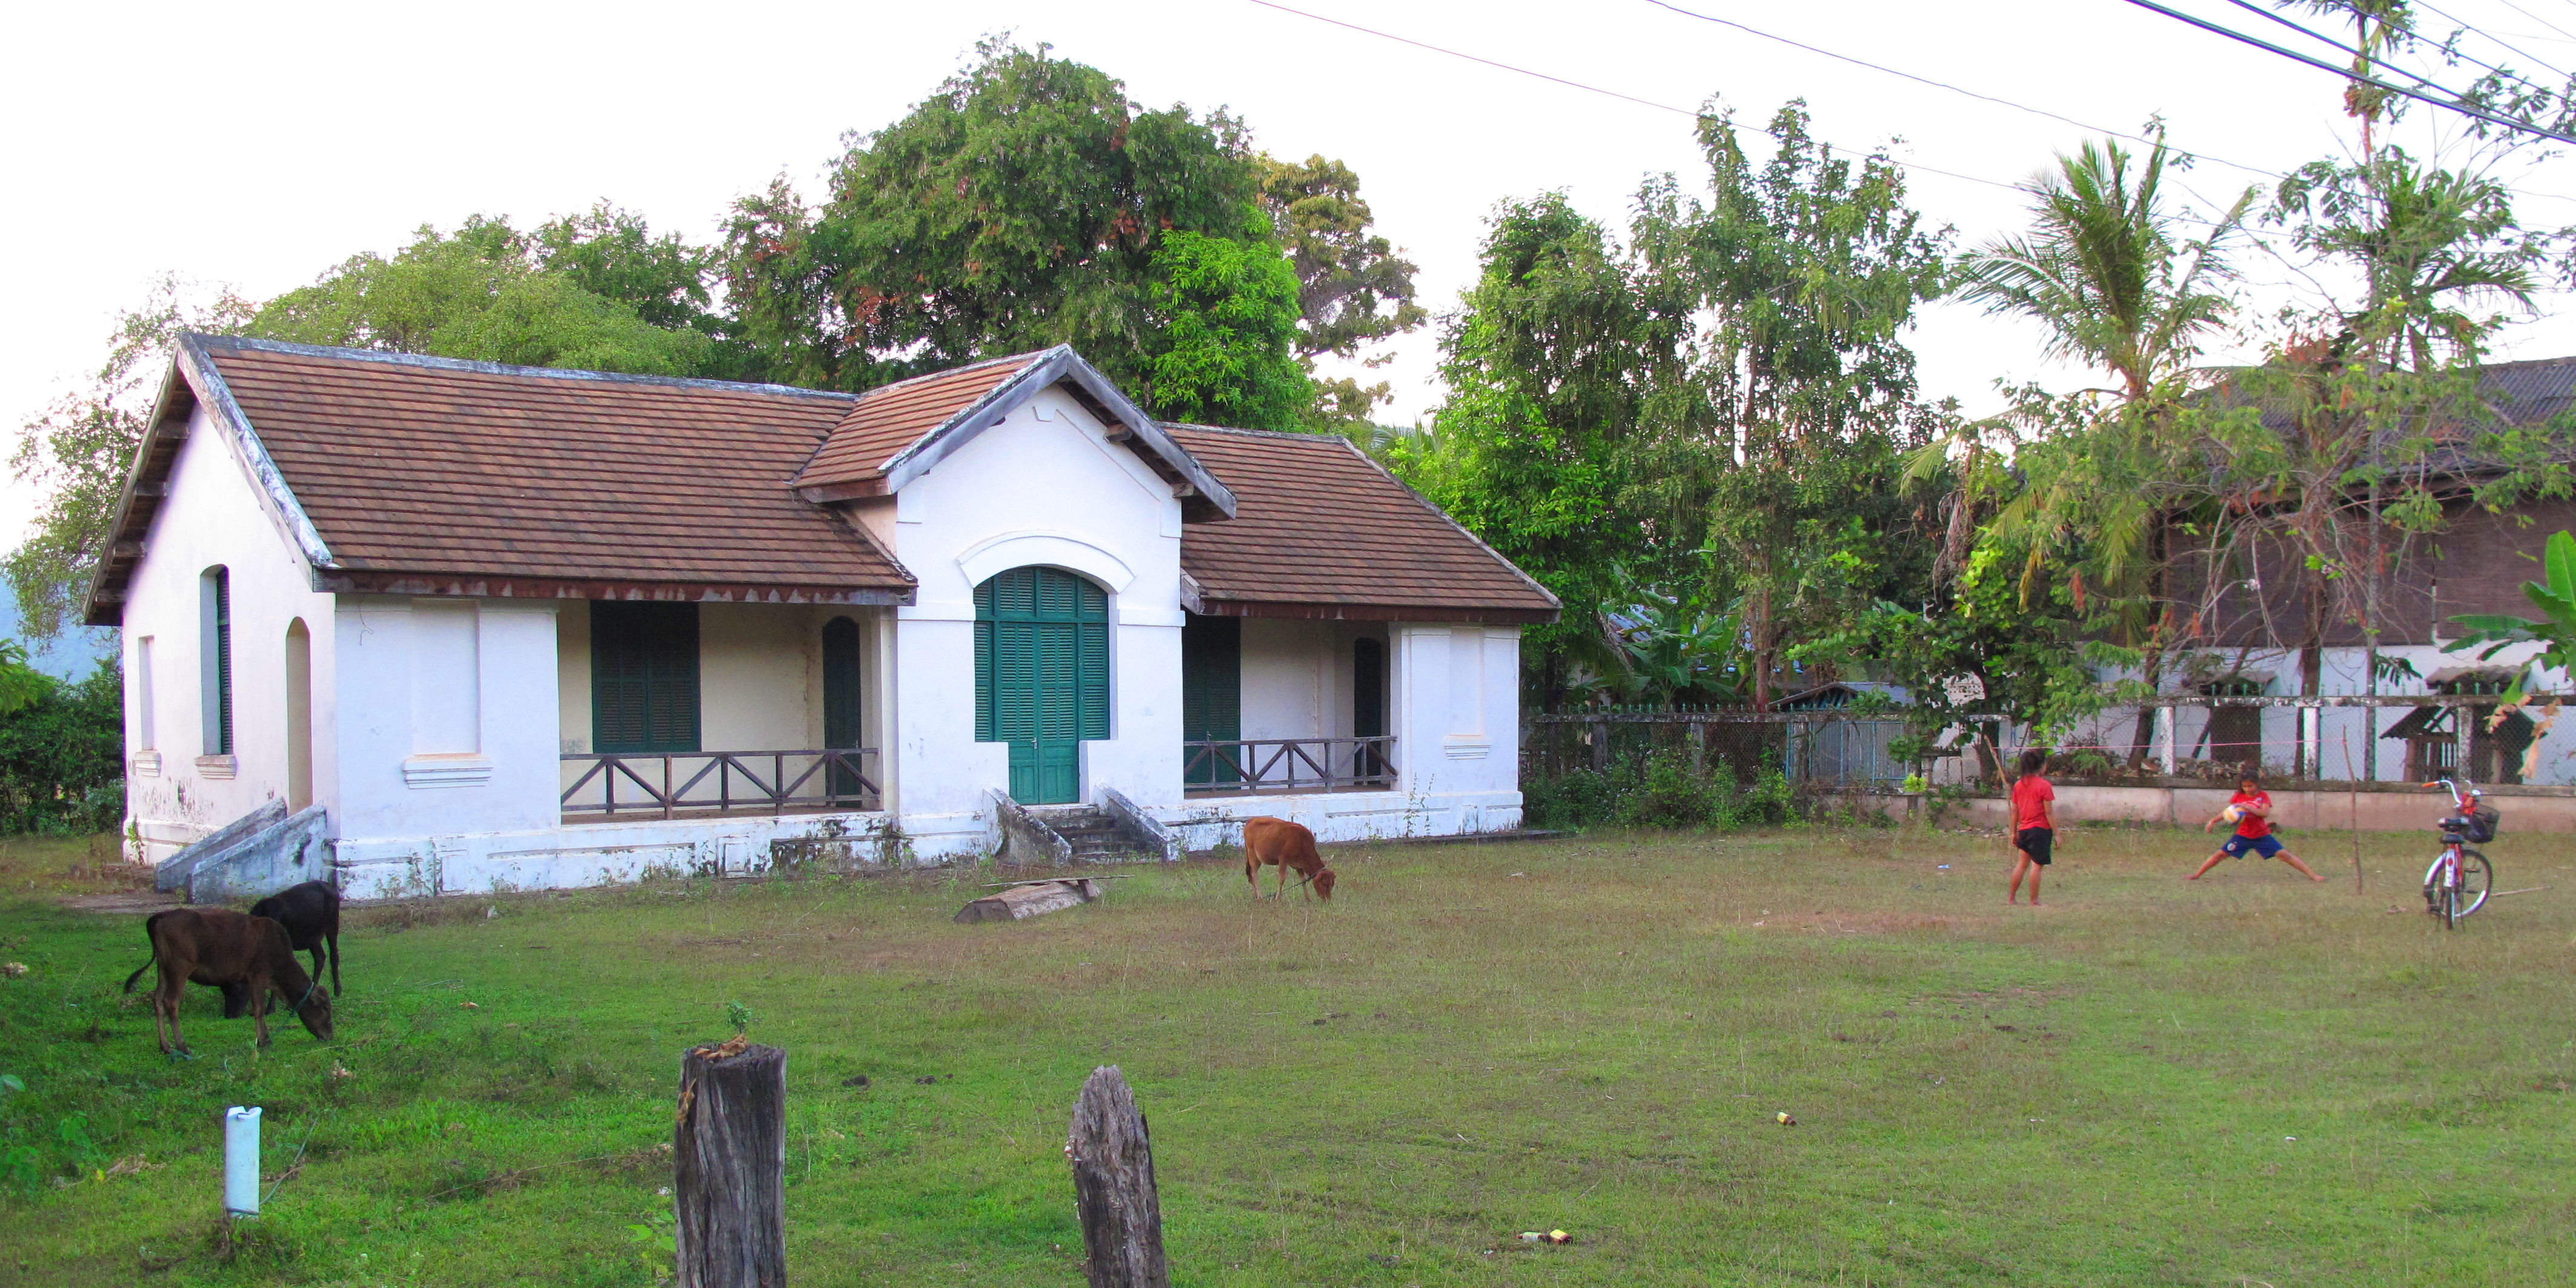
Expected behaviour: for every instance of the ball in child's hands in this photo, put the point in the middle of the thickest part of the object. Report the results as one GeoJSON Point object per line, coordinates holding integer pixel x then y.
{"type": "Point", "coordinates": [2232, 813]}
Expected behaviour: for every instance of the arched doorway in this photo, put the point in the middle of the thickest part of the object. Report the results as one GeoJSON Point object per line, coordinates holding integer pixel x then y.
{"type": "Point", "coordinates": [299, 716]}
{"type": "Point", "coordinates": [1042, 676]}
{"type": "Point", "coordinates": [844, 679]}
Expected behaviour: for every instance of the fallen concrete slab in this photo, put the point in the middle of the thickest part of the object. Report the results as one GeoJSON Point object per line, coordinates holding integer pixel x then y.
{"type": "Point", "coordinates": [1030, 899]}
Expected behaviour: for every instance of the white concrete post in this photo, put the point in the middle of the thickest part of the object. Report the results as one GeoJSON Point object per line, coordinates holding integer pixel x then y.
{"type": "Point", "coordinates": [241, 1161]}
{"type": "Point", "coordinates": [2169, 717]}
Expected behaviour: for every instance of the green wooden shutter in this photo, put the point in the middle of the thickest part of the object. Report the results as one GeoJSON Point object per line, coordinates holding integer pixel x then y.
{"type": "Point", "coordinates": [223, 662]}
{"type": "Point", "coordinates": [643, 677]}
{"type": "Point", "coordinates": [1212, 692]}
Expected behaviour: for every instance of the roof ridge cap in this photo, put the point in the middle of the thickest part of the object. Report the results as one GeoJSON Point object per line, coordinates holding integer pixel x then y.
{"type": "Point", "coordinates": [433, 362]}
{"type": "Point", "coordinates": [1022, 358]}
{"type": "Point", "coordinates": [1296, 434]}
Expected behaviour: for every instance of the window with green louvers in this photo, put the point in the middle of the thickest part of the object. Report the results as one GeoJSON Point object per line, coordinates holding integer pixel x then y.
{"type": "Point", "coordinates": [1042, 676]}
{"type": "Point", "coordinates": [643, 677]}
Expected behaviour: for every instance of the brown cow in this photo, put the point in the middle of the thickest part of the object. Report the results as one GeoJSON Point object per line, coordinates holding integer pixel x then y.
{"type": "Point", "coordinates": [221, 947]}
{"type": "Point", "coordinates": [1268, 840]}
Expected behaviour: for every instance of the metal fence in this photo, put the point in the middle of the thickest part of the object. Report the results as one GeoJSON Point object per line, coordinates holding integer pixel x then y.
{"type": "Point", "coordinates": [1825, 749]}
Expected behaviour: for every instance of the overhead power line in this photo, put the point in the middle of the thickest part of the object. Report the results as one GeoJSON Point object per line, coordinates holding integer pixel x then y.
{"type": "Point", "coordinates": [2373, 59]}
{"type": "Point", "coordinates": [2492, 39]}
{"type": "Point", "coordinates": [1955, 89]}
{"type": "Point", "coordinates": [2509, 4]}
{"type": "Point", "coordinates": [1612, 93]}
{"type": "Point", "coordinates": [2464, 109]}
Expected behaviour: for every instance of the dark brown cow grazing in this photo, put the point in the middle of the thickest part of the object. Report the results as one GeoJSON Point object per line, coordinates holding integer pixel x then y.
{"type": "Point", "coordinates": [219, 946]}
{"type": "Point", "coordinates": [1268, 840]}
{"type": "Point", "coordinates": [311, 914]}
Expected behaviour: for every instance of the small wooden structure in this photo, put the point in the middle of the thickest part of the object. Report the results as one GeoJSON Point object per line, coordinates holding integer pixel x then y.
{"type": "Point", "coordinates": [1025, 899]}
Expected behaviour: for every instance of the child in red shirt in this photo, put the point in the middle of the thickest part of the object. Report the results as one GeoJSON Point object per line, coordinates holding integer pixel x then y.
{"type": "Point", "coordinates": [2034, 826]}
{"type": "Point", "coordinates": [2253, 808]}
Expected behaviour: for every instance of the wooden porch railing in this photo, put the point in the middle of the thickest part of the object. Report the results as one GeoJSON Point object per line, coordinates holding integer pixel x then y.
{"type": "Point", "coordinates": [721, 782]}
{"type": "Point", "coordinates": [1288, 764]}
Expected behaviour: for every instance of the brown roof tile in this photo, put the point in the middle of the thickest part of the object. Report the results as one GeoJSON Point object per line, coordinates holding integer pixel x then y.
{"type": "Point", "coordinates": [890, 418]}
{"type": "Point", "coordinates": [470, 471]}
{"type": "Point", "coordinates": [1322, 531]}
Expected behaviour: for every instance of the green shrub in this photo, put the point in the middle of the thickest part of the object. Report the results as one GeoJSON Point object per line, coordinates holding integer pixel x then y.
{"type": "Point", "coordinates": [1659, 791]}
{"type": "Point", "coordinates": [62, 757]}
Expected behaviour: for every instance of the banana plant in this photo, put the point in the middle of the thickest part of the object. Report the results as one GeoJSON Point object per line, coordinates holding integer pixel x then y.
{"type": "Point", "coordinates": [2555, 631]}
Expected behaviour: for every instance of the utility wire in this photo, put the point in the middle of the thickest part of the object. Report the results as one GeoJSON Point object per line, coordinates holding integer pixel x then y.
{"type": "Point", "coordinates": [2509, 4]}
{"type": "Point", "coordinates": [1595, 89]}
{"type": "Point", "coordinates": [2491, 38]}
{"type": "Point", "coordinates": [2368, 59]}
{"type": "Point", "coordinates": [1925, 80]}
{"type": "Point", "coordinates": [2464, 109]}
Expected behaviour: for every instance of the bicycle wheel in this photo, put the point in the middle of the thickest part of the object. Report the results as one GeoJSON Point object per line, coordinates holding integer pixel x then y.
{"type": "Point", "coordinates": [2436, 897]}
{"type": "Point", "coordinates": [2477, 881]}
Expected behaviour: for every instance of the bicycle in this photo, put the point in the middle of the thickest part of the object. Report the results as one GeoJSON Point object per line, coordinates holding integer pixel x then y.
{"type": "Point", "coordinates": [2460, 879]}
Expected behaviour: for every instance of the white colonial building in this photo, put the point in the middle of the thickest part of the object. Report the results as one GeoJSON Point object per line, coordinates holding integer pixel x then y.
{"type": "Point", "coordinates": [443, 626]}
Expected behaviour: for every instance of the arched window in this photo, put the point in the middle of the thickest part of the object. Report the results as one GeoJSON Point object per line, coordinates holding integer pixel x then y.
{"type": "Point", "coordinates": [215, 658]}
{"type": "Point", "coordinates": [1042, 676]}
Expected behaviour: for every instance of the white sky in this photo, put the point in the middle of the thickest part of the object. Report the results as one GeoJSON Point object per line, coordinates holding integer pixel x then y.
{"type": "Point", "coordinates": [256, 145]}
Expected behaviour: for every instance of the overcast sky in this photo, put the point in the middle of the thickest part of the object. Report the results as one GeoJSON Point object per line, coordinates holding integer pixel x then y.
{"type": "Point", "coordinates": [255, 145]}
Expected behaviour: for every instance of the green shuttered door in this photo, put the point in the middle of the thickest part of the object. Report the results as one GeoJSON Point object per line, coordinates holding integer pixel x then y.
{"type": "Point", "coordinates": [1212, 697]}
{"type": "Point", "coordinates": [1042, 677]}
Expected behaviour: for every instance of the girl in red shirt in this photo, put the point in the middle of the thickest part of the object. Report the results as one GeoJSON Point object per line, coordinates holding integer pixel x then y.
{"type": "Point", "coordinates": [2253, 808]}
{"type": "Point", "coordinates": [2034, 829]}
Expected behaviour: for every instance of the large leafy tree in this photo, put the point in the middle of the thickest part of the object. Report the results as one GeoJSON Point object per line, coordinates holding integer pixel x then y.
{"type": "Point", "coordinates": [1027, 203]}
{"type": "Point", "coordinates": [1353, 290]}
{"type": "Point", "coordinates": [1803, 271]}
{"type": "Point", "coordinates": [482, 292]}
{"type": "Point", "coordinates": [1550, 363]}
{"type": "Point", "coordinates": [77, 451]}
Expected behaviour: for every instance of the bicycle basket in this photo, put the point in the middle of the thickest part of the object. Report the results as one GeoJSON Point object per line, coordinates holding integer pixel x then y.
{"type": "Point", "coordinates": [2478, 826]}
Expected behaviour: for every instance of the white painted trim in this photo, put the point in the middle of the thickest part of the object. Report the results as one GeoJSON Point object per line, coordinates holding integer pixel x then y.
{"type": "Point", "coordinates": [448, 770]}
{"type": "Point", "coordinates": [217, 766]}
{"type": "Point", "coordinates": [148, 763]}
{"type": "Point", "coordinates": [999, 554]}
{"type": "Point", "coordinates": [217, 397]}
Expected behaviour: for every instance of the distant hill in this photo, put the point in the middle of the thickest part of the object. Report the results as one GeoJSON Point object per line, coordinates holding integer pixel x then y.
{"type": "Point", "coordinates": [72, 656]}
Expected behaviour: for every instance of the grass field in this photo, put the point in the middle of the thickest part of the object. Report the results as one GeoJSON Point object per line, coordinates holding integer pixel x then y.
{"type": "Point", "coordinates": [2249, 1080]}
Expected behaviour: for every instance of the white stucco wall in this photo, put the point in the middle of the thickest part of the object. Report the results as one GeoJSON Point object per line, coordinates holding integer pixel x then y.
{"type": "Point", "coordinates": [1045, 487]}
{"type": "Point", "coordinates": [214, 516]}
{"type": "Point", "coordinates": [1297, 677]}
{"type": "Point", "coordinates": [402, 769]}
{"type": "Point", "coordinates": [1456, 700]}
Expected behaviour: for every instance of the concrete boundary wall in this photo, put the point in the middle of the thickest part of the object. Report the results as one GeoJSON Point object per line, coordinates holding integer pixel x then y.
{"type": "Point", "coordinates": [2292, 808]}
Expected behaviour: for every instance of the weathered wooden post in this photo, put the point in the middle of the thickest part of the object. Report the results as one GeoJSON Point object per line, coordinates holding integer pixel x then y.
{"type": "Point", "coordinates": [730, 1186]}
{"type": "Point", "coordinates": [1113, 1186]}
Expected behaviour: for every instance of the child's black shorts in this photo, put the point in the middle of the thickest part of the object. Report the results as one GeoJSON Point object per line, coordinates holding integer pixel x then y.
{"type": "Point", "coordinates": [2034, 841]}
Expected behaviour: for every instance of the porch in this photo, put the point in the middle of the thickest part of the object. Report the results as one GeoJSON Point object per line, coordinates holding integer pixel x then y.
{"type": "Point", "coordinates": [1279, 706]}
{"type": "Point", "coordinates": [656, 698]}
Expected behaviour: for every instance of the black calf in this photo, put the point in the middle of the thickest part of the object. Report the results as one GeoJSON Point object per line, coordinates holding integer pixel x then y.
{"type": "Point", "coordinates": [311, 914]}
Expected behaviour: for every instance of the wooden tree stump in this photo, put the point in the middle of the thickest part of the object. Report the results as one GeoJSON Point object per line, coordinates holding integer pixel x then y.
{"type": "Point", "coordinates": [730, 1187]}
{"type": "Point", "coordinates": [1113, 1186]}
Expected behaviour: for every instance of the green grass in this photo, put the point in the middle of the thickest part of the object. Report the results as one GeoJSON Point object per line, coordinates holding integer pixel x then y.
{"type": "Point", "coordinates": [1471, 1041]}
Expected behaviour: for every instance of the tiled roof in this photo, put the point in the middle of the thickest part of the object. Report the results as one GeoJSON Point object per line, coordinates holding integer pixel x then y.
{"type": "Point", "coordinates": [472, 470]}
{"type": "Point", "coordinates": [890, 418]}
{"type": "Point", "coordinates": [1322, 531]}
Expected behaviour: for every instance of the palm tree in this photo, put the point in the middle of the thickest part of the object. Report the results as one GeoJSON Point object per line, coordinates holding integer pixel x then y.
{"type": "Point", "coordinates": [2104, 269]}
